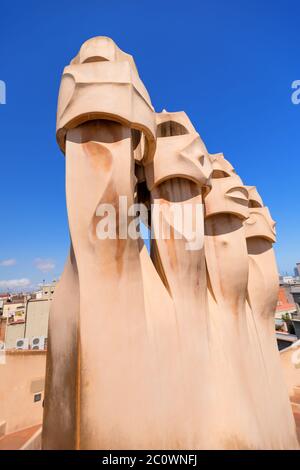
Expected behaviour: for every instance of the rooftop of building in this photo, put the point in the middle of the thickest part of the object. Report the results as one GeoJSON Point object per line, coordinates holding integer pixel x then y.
{"type": "Point", "coordinates": [16, 440]}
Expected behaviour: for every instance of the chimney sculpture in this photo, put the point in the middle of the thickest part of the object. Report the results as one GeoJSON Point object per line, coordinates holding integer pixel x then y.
{"type": "Point", "coordinates": [176, 350]}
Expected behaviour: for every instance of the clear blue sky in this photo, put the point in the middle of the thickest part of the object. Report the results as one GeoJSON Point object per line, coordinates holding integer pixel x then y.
{"type": "Point", "coordinates": [228, 64]}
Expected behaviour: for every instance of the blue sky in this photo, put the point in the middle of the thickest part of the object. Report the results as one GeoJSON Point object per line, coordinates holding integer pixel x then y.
{"type": "Point", "coordinates": [229, 65]}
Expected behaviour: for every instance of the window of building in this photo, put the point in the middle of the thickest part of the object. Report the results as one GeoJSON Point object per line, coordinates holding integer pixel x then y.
{"type": "Point", "coordinates": [37, 397]}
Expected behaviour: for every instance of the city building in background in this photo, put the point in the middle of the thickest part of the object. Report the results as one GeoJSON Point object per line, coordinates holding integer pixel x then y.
{"type": "Point", "coordinates": [47, 291]}
{"type": "Point", "coordinates": [24, 319]}
{"type": "Point", "coordinates": [23, 345]}
{"type": "Point", "coordinates": [287, 316]}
